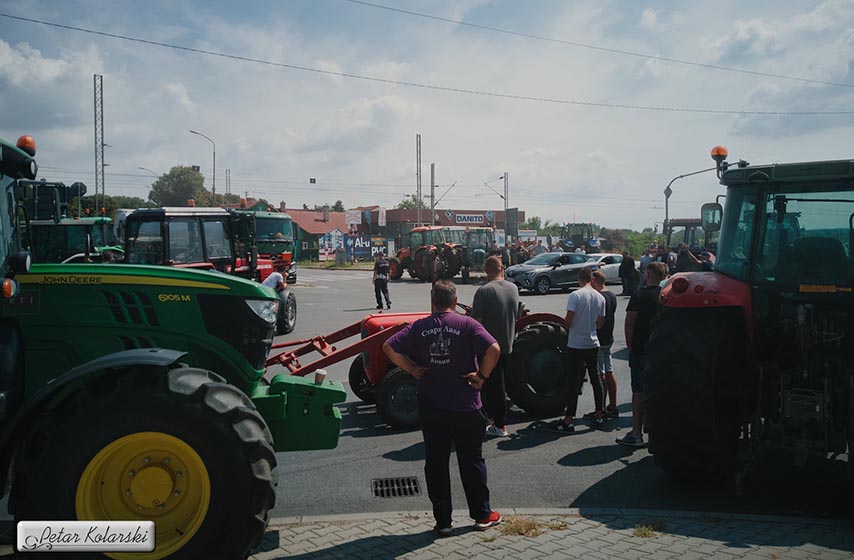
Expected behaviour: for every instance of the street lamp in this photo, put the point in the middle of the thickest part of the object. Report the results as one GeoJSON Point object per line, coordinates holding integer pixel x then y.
{"type": "Point", "coordinates": [213, 189]}
{"type": "Point", "coordinates": [156, 176]}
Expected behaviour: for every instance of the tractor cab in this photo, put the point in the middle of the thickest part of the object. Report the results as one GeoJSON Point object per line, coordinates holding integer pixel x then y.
{"type": "Point", "coordinates": [200, 238]}
{"type": "Point", "coordinates": [74, 240]}
{"type": "Point", "coordinates": [477, 244]}
{"type": "Point", "coordinates": [275, 238]}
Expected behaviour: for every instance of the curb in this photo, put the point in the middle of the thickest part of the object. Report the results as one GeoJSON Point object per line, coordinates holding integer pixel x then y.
{"type": "Point", "coordinates": [706, 516]}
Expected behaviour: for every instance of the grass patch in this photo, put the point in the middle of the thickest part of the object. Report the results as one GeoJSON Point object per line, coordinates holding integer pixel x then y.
{"type": "Point", "coordinates": [649, 529]}
{"type": "Point", "coordinates": [522, 527]}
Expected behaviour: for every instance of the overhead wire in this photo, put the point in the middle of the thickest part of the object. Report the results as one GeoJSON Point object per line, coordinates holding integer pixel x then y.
{"type": "Point", "coordinates": [600, 48]}
{"type": "Point", "coordinates": [540, 99]}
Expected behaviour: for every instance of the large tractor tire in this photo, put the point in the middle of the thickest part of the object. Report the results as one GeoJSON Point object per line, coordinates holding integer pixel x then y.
{"type": "Point", "coordinates": [397, 404]}
{"type": "Point", "coordinates": [180, 447]}
{"type": "Point", "coordinates": [695, 375]}
{"type": "Point", "coordinates": [419, 264]}
{"type": "Point", "coordinates": [535, 378]}
{"type": "Point", "coordinates": [359, 383]}
{"type": "Point", "coordinates": [395, 270]}
{"type": "Point", "coordinates": [287, 318]}
{"type": "Point", "coordinates": [452, 262]}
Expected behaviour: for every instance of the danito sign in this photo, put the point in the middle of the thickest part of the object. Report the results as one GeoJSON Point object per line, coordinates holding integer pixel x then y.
{"type": "Point", "coordinates": [470, 218]}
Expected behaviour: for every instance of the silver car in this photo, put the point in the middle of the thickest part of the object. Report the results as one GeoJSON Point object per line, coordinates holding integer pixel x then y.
{"type": "Point", "coordinates": [609, 264]}
{"type": "Point", "coordinates": [548, 270]}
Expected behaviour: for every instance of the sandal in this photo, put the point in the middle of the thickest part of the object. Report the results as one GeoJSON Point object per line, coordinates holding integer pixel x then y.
{"type": "Point", "coordinates": [561, 427]}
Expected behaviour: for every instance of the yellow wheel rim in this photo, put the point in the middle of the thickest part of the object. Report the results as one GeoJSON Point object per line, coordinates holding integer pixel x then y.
{"type": "Point", "coordinates": [147, 476]}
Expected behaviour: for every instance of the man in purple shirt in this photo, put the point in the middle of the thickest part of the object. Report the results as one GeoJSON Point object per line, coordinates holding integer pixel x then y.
{"type": "Point", "coordinates": [450, 355]}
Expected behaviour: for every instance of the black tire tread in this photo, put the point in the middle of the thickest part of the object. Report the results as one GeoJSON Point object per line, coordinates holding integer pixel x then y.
{"type": "Point", "coordinates": [192, 392]}
{"type": "Point", "coordinates": [384, 390]}
{"type": "Point", "coordinates": [530, 339]}
{"type": "Point", "coordinates": [692, 423]}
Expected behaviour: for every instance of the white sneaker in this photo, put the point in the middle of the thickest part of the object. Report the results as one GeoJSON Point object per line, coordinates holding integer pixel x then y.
{"type": "Point", "coordinates": [493, 430]}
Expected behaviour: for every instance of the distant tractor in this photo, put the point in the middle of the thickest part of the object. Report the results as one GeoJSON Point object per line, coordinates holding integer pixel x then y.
{"type": "Point", "coordinates": [760, 353]}
{"type": "Point", "coordinates": [275, 237]}
{"type": "Point", "coordinates": [137, 393]}
{"type": "Point", "coordinates": [574, 235]}
{"type": "Point", "coordinates": [534, 377]}
{"type": "Point", "coordinates": [477, 243]}
{"type": "Point", "coordinates": [413, 254]}
{"type": "Point", "coordinates": [203, 239]}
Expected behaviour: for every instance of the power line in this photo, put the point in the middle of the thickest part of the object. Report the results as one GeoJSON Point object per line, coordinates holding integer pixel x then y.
{"type": "Point", "coordinates": [429, 86]}
{"type": "Point", "coordinates": [603, 49]}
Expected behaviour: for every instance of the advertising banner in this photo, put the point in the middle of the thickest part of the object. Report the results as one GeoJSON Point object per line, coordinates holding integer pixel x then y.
{"type": "Point", "coordinates": [364, 247]}
{"type": "Point", "coordinates": [353, 217]}
{"type": "Point", "coordinates": [381, 220]}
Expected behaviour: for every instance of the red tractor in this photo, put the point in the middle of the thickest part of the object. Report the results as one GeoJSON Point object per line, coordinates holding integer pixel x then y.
{"type": "Point", "coordinates": [416, 244]}
{"type": "Point", "coordinates": [758, 353]}
{"type": "Point", "coordinates": [534, 378]}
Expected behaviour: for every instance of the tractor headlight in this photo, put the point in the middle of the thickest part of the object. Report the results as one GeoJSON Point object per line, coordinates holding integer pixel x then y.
{"type": "Point", "coordinates": [266, 309]}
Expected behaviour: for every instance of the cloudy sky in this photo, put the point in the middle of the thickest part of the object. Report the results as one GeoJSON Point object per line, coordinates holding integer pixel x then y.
{"type": "Point", "coordinates": [553, 94]}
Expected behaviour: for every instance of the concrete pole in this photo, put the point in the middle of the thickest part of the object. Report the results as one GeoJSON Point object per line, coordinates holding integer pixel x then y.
{"type": "Point", "coordinates": [432, 194]}
{"type": "Point", "coordinates": [418, 175]}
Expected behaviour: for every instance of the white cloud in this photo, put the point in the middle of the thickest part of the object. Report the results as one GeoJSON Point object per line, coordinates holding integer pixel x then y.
{"type": "Point", "coordinates": [177, 92]}
{"type": "Point", "coordinates": [275, 126]}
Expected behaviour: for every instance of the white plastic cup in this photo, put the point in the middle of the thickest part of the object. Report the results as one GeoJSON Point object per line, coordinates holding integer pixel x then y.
{"type": "Point", "coordinates": [319, 376]}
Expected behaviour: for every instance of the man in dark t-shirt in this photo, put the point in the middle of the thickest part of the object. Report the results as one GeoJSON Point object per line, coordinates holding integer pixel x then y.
{"type": "Point", "coordinates": [606, 339]}
{"type": "Point", "coordinates": [442, 352]}
{"type": "Point", "coordinates": [641, 309]}
{"type": "Point", "coordinates": [380, 280]}
{"type": "Point", "coordinates": [496, 307]}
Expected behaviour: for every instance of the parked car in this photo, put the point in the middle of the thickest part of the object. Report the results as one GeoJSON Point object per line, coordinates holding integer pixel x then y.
{"type": "Point", "coordinates": [609, 264]}
{"type": "Point", "coordinates": [547, 271]}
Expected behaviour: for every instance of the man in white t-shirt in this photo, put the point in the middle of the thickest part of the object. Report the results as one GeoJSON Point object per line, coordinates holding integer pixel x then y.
{"type": "Point", "coordinates": [585, 312]}
{"type": "Point", "coordinates": [276, 280]}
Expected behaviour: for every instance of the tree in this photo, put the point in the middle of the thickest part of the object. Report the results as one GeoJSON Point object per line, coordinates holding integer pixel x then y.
{"type": "Point", "coordinates": [337, 207]}
{"type": "Point", "coordinates": [534, 222]}
{"type": "Point", "coordinates": [178, 186]}
{"type": "Point", "coordinates": [410, 203]}
{"type": "Point", "coordinates": [109, 203]}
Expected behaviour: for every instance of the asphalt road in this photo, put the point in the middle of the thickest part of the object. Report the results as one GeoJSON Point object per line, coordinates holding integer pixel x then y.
{"type": "Point", "coordinates": [531, 469]}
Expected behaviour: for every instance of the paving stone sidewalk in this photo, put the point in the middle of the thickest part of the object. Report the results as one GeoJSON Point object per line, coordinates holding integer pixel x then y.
{"type": "Point", "coordinates": [601, 534]}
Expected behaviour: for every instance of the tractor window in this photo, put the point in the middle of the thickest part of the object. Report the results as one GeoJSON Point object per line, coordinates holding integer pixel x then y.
{"type": "Point", "coordinates": [416, 239]}
{"type": "Point", "coordinates": [806, 238]}
{"type": "Point", "coordinates": [185, 241]}
{"type": "Point", "coordinates": [145, 243]}
{"type": "Point", "coordinates": [737, 234]}
{"type": "Point", "coordinates": [217, 244]}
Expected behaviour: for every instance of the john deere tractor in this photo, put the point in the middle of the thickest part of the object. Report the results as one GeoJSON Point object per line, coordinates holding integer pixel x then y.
{"type": "Point", "coordinates": [760, 353]}
{"type": "Point", "coordinates": [136, 393]}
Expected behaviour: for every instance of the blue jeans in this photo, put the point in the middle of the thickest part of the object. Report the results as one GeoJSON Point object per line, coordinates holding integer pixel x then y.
{"type": "Point", "coordinates": [465, 430]}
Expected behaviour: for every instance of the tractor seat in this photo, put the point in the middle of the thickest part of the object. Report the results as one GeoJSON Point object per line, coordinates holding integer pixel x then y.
{"type": "Point", "coordinates": [821, 260]}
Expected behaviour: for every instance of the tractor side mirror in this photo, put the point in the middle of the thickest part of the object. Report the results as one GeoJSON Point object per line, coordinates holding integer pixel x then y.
{"type": "Point", "coordinates": [711, 215]}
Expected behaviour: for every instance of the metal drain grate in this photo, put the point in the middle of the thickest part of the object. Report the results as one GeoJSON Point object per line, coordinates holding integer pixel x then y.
{"type": "Point", "coordinates": [395, 487]}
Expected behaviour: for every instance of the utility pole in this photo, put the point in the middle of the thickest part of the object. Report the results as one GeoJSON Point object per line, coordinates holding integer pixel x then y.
{"type": "Point", "coordinates": [418, 175]}
{"type": "Point", "coordinates": [432, 194]}
{"type": "Point", "coordinates": [228, 181]}
{"type": "Point", "coordinates": [99, 138]}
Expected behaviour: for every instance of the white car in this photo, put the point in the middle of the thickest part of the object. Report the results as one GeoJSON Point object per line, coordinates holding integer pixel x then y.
{"type": "Point", "coordinates": [609, 264]}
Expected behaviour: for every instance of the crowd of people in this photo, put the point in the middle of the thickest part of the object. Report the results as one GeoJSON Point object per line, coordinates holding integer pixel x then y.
{"type": "Point", "coordinates": [460, 361]}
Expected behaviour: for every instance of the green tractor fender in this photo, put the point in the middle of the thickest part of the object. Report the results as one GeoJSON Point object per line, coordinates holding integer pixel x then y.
{"type": "Point", "coordinates": [15, 429]}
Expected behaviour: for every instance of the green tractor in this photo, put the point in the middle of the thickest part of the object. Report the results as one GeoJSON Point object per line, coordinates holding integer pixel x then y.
{"type": "Point", "coordinates": [138, 393]}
